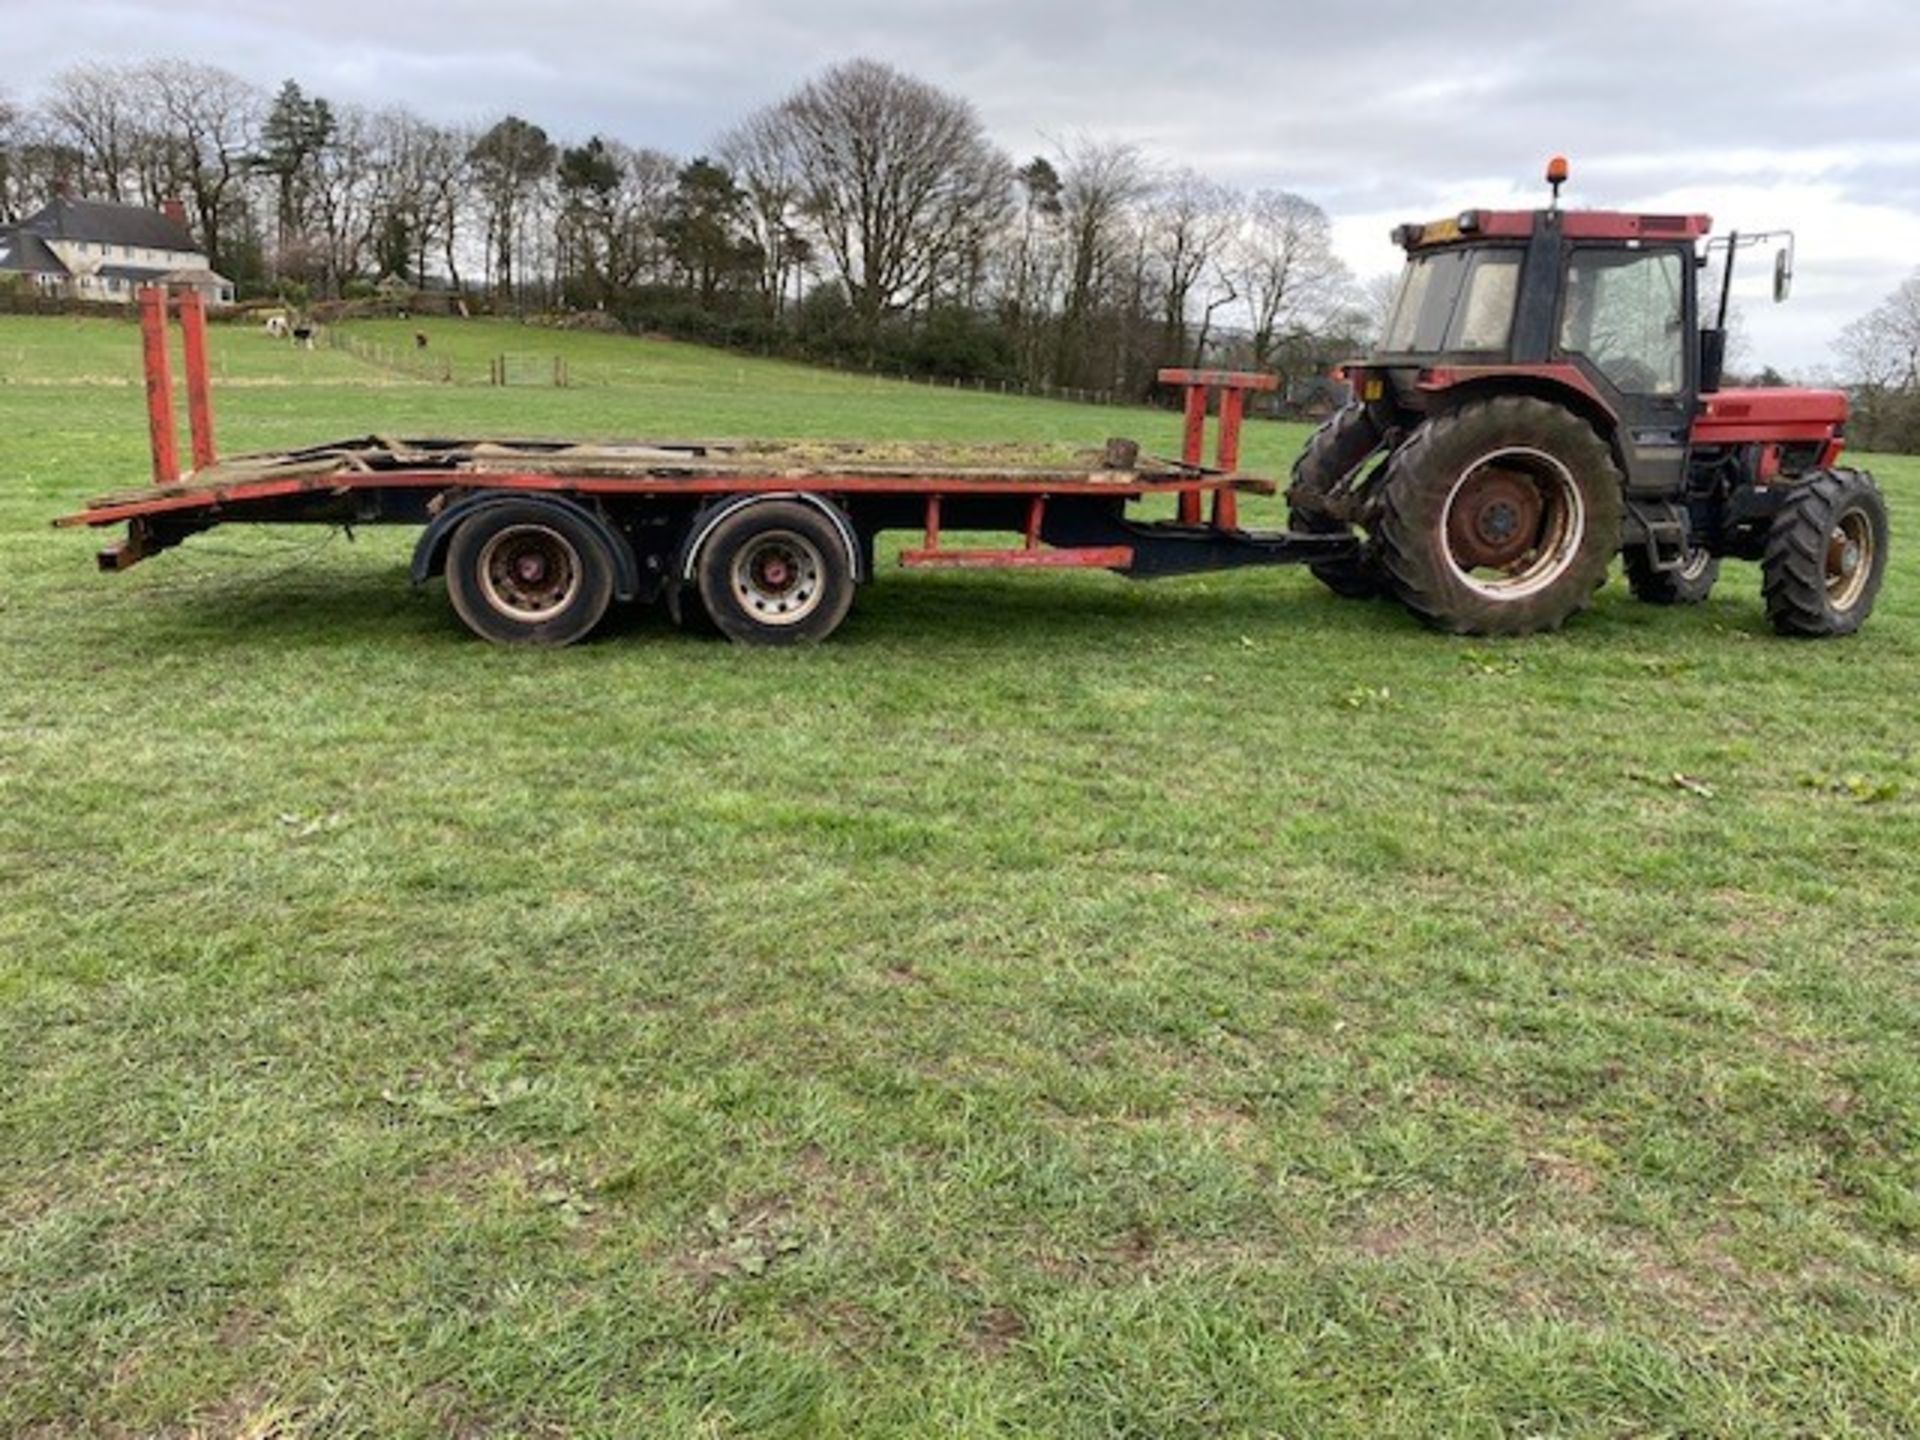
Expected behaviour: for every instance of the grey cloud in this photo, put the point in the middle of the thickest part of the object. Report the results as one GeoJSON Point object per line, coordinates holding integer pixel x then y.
{"type": "Point", "coordinates": [1393, 106]}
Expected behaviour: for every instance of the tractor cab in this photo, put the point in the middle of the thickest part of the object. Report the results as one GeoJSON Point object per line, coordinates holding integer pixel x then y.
{"type": "Point", "coordinates": [1562, 357]}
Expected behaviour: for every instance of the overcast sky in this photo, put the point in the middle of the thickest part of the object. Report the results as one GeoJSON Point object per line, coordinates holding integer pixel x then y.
{"type": "Point", "coordinates": [1764, 113]}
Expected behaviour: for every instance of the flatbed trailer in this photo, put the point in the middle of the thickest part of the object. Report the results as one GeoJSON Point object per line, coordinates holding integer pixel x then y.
{"type": "Point", "coordinates": [537, 538]}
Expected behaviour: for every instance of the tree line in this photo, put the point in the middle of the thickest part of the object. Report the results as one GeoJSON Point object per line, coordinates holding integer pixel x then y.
{"type": "Point", "coordinates": [865, 217]}
{"type": "Point", "coordinates": [1880, 358]}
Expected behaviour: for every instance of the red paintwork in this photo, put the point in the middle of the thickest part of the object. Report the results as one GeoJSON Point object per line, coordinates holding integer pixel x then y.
{"type": "Point", "coordinates": [1233, 386]}
{"type": "Point", "coordinates": [1771, 418]}
{"type": "Point", "coordinates": [1727, 417]}
{"type": "Point", "coordinates": [1436, 378]}
{"type": "Point", "coordinates": [153, 348]}
{"type": "Point", "coordinates": [1085, 557]}
{"type": "Point", "coordinates": [193, 333]}
{"type": "Point", "coordinates": [1193, 446]}
{"type": "Point", "coordinates": [1741, 417]}
{"type": "Point", "coordinates": [215, 497]}
{"type": "Point", "coordinates": [1226, 505]}
{"type": "Point", "coordinates": [1221, 379]}
{"type": "Point", "coordinates": [1574, 224]}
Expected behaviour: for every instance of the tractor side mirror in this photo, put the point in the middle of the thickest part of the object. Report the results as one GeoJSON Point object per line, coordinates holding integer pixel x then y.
{"type": "Point", "coordinates": [1782, 274]}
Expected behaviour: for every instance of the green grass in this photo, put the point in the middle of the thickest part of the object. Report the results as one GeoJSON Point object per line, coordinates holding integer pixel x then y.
{"type": "Point", "coordinates": [1055, 1007]}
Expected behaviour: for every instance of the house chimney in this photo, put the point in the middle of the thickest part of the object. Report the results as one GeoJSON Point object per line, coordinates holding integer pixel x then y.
{"type": "Point", "coordinates": [175, 209]}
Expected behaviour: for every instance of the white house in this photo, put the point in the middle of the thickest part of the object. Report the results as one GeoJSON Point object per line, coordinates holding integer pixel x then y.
{"type": "Point", "coordinates": [107, 252]}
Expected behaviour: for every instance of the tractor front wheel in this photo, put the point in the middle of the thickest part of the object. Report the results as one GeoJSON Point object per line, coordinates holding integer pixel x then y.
{"type": "Point", "coordinates": [1500, 517]}
{"type": "Point", "coordinates": [1826, 555]}
{"type": "Point", "coordinates": [1688, 583]}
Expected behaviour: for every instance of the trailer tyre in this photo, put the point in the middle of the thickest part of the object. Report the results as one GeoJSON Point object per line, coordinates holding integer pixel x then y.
{"type": "Point", "coordinates": [776, 573]}
{"type": "Point", "coordinates": [1501, 517]}
{"type": "Point", "coordinates": [529, 574]}
{"type": "Point", "coordinates": [1342, 444]}
{"type": "Point", "coordinates": [1826, 555]}
{"type": "Point", "coordinates": [1689, 584]}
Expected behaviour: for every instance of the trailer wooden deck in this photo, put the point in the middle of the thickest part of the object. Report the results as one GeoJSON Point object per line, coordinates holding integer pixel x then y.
{"type": "Point", "coordinates": [226, 488]}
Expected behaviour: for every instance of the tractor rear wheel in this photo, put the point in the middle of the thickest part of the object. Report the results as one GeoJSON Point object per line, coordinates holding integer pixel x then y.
{"type": "Point", "coordinates": [1689, 584]}
{"type": "Point", "coordinates": [1500, 517]}
{"type": "Point", "coordinates": [1826, 555]}
{"type": "Point", "coordinates": [1341, 445]}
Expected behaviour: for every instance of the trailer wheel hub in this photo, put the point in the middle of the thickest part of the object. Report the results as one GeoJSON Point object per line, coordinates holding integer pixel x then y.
{"type": "Point", "coordinates": [777, 577]}
{"type": "Point", "coordinates": [529, 572]}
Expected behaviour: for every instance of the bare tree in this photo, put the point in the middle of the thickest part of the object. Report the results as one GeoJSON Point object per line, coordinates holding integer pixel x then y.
{"type": "Point", "coordinates": [1880, 357]}
{"type": "Point", "coordinates": [614, 200]}
{"type": "Point", "coordinates": [766, 164]}
{"type": "Point", "coordinates": [10, 167]}
{"type": "Point", "coordinates": [349, 206]}
{"type": "Point", "coordinates": [1881, 349]}
{"type": "Point", "coordinates": [1283, 266]}
{"type": "Point", "coordinates": [440, 156]}
{"type": "Point", "coordinates": [898, 177]}
{"type": "Point", "coordinates": [97, 110]}
{"type": "Point", "coordinates": [1101, 182]}
{"type": "Point", "coordinates": [208, 121]}
{"type": "Point", "coordinates": [509, 163]}
{"type": "Point", "coordinates": [1187, 226]}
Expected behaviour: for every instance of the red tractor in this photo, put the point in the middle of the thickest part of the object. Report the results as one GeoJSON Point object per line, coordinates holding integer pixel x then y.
{"type": "Point", "coordinates": [1545, 396]}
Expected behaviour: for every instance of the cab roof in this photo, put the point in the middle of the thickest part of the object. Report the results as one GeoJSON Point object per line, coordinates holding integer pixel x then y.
{"type": "Point", "coordinates": [1573, 224]}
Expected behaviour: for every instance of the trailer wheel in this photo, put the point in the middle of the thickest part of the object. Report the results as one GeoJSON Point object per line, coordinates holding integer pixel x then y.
{"type": "Point", "coordinates": [1690, 584]}
{"type": "Point", "coordinates": [775, 573]}
{"type": "Point", "coordinates": [528, 574]}
{"type": "Point", "coordinates": [1826, 555]}
{"type": "Point", "coordinates": [1501, 517]}
{"type": "Point", "coordinates": [1342, 444]}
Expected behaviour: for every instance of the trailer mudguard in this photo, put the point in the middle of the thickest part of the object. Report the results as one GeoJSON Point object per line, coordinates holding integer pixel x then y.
{"type": "Point", "coordinates": [705, 522]}
{"type": "Point", "coordinates": [430, 554]}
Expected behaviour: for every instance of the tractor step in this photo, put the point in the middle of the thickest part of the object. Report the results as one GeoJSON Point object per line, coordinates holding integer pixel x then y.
{"type": "Point", "coordinates": [1662, 531]}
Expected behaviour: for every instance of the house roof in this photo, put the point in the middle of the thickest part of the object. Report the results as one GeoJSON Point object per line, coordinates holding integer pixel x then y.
{"type": "Point", "coordinates": [99, 222]}
{"type": "Point", "coordinates": [23, 252]}
{"type": "Point", "coordinates": [194, 275]}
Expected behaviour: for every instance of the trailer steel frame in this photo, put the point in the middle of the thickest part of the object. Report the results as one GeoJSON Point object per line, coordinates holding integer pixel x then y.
{"type": "Point", "coordinates": [656, 502]}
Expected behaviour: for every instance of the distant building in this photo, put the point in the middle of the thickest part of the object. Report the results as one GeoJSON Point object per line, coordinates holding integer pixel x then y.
{"type": "Point", "coordinates": [26, 255]}
{"type": "Point", "coordinates": [93, 250]}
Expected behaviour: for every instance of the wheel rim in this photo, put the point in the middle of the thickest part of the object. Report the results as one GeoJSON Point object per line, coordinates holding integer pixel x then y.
{"type": "Point", "coordinates": [1849, 559]}
{"type": "Point", "coordinates": [1513, 523]}
{"type": "Point", "coordinates": [1695, 565]}
{"type": "Point", "coordinates": [529, 572]}
{"type": "Point", "coordinates": [776, 577]}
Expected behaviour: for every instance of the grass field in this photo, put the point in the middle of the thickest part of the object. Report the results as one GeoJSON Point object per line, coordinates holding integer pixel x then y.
{"type": "Point", "coordinates": [1055, 1007]}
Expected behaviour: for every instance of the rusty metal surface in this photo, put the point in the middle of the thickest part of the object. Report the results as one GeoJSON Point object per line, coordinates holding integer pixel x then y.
{"type": "Point", "coordinates": [1084, 557]}
{"type": "Point", "coordinates": [610, 470]}
{"type": "Point", "coordinates": [159, 372]}
{"type": "Point", "coordinates": [193, 335]}
{"type": "Point", "coordinates": [1494, 518]}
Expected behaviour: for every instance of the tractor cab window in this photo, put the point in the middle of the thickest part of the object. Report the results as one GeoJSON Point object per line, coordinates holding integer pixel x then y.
{"type": "Point", "coordinates": [1625, 310]}
{"type": "Point", "coordinates": [1454, 301]}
